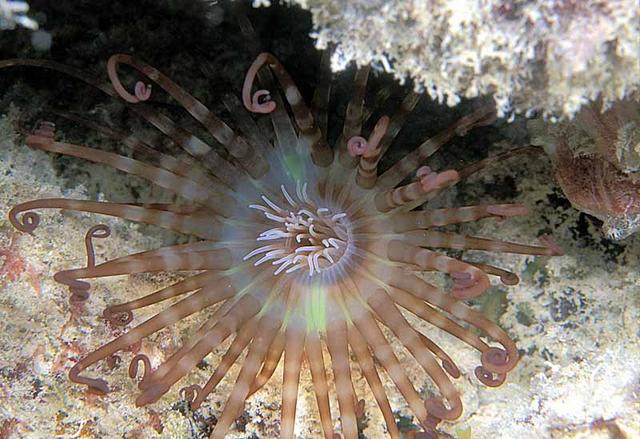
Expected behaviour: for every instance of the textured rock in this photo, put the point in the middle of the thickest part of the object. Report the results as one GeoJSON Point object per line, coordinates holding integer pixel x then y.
{"type": "Point", "coordinates": [552, 56]}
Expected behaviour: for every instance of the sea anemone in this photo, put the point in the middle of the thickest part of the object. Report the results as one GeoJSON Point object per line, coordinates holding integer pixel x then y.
{"type": "Point", "coordinates": [302, 248]}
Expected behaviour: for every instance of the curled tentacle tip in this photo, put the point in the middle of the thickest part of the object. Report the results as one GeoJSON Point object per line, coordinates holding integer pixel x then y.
{"type": "Point", "coordinates": [509, 279]}
{"type": "Point", "coordinates": [357, 146]}
{"type": "Point", "coordinates": [190, 393]}
{"type": "Point", "coordinates": [27, 223]}
{"type": "Point", "coordinates": [551, 245]}
{"type": "Point", "coordinates": [423, 171]}
{"type": "Point", "coordinates": [436, 409]}
{"type": "Point", "coordinates": [117, 318]}
{"type": "Point", "coordinates": [135, 362]}
{"type": "Point", "coordinates": [142, 91]}
{"type": "Point", "coordinates": [99, 231]}
{"type": "Point", "coordinates": [78, 295]}
{"type": "Point", "coordinates": [261, 102]}
{"type": "Point", "coordinates": [498, 360]}
{"type": "Point", "coordinates": [487, 378]}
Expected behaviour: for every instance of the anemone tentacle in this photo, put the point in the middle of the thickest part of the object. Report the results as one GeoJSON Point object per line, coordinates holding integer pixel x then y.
{"type": "Point", "coordinates": [236, 145]}
{"type": "Point", "coordinates": [304, 252]}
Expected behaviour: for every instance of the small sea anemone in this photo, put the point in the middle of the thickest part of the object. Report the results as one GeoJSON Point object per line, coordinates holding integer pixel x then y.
{"type": "Point", "coordinates": [301, 247]}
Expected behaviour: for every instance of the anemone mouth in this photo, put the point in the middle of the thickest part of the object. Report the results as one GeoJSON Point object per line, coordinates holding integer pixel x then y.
{"type": "Point", "coordinates": [306, 235]}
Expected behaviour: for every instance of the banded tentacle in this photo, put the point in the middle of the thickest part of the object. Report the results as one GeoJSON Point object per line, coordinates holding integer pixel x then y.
{"type": "Point", "coordinates": [296, 255]}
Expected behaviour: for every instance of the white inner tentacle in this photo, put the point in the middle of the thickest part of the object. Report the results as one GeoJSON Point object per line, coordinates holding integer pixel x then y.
{"type": "Point", "coordinates": [305, 235]}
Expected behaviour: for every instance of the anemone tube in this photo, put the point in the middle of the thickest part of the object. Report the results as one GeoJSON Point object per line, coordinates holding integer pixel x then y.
{"type": "Point", "coordinates": [302, 249]}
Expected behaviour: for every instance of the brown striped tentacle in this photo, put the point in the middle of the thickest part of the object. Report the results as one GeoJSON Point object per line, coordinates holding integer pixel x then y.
{"type": "Point", "coordinates": [480, 165]}
{"type": "Point", "coordinates": [270, 363]}
{"type": "Point", "coordinates": [184, 166]}
{"type": "Point", "coordinates": [339, 351]}
{"type": "Point", "coordinates": [240, 342]}
{"type": "Point", "coordinates": [438, 319]}
{"type": "Point", "coordinates": [410, 162]}
{"type": "Point", "coordinates": [429, 183]}
{"type": "Point", "coordinates": [506, 277]}
{"type": "Point", "coordinates": [367, 326]}
{"type": "Point", "coordinates": [268, 327]}
{"type": "Point", "coordinates": [207, 260]}
{"type": "Point", "coordinates": [198, 336]}
{"type": "Point", "coordinates": [468, 281]}
{"type": "Point", "coordinates": [438, 239]}
{"type": "Point", "coordinates": [409, 337]}
{"type": "Point", "coordinates": [158, 384]}
{"type": "Point", "coordinates": [322, 93]}
{"type": "Point", "coordinates": [432, 295]}
{"type": "Point", "coordinates": [261, 102]}
{"type": "Point", "coordinates": [423, 219]}
{"type": "Point", "coordinates": [196, 302]}
{"type": "Point", "coordinates": [353, 118]}
{"type": "Point", "coordinates": [201, 226]}
{"type": "Point", "coordinates": [237, 146]}
{"type": "Point", "coordinates": [210, 195]}
{"type": "Point", "coordinates": [121, 314]}
{"type": "Point", "coordinates": [293, 352]}
{"type": "Point", "coordinates": [367, 366]}
{"type": "Point", "coordinates": [370, 152]}
{"type": "Point", "coordinates": [223, 169]}
{"type": "Point", "coordinates": [313, 351]}
{"type": "Point", "coordinates": [447, 363]}
{"type": "Point", "coordinates": [398, 119]}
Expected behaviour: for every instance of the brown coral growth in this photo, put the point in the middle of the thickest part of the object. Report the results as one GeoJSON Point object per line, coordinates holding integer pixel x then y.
{"type": "Point", "coordinates": [597, 163]}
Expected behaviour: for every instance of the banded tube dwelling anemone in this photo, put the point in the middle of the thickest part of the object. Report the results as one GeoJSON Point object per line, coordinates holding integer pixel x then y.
{"type": "Point", "coordinates": [303, 251]}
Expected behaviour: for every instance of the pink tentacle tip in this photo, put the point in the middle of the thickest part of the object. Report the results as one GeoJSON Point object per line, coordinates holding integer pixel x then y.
{"type": "Point", "coordinates": [142, 91]}
{"type": "Point", "coordinates": [551, 245]}
{"type": "Point", "coordinates": [45, 129]}
{"type": "Point", "coordinates": [432, 181]}
{"type": "Point", "coordinates": [423, 171]}
{"type": "Point", "coordinates": [42, 136]}
{"type": "Point", "coordinates": [261, 102]}
{"type": "Point", "coordinates": [381, 126]}
{"type": "Point", "coordinates": [357, 146]}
